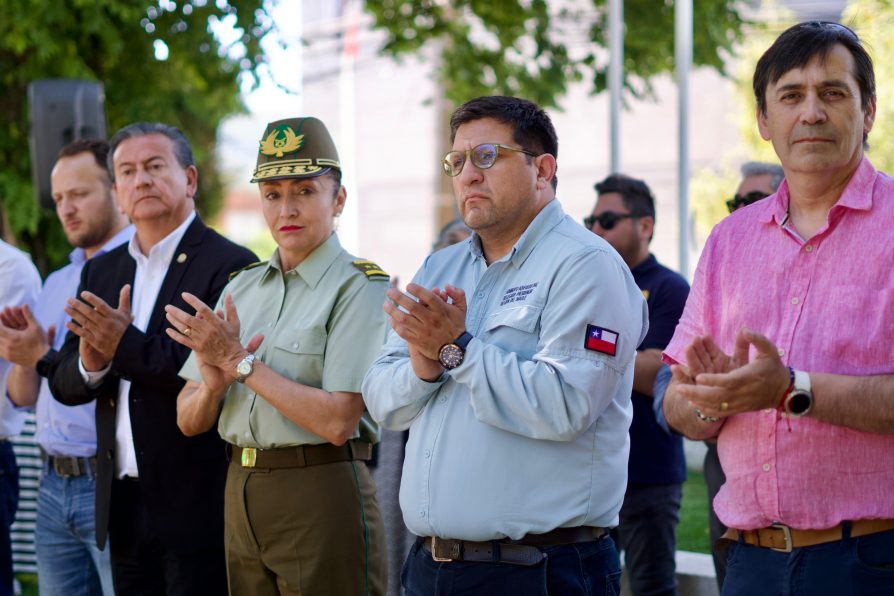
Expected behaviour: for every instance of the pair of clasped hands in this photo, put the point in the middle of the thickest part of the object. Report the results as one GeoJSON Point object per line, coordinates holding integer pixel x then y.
{"type": "Point", "coordinates": [213, 336]}
{"type": "Point", "coordinates": [719, 385]}
{"type": "Point", "coordinates": [425, 319]}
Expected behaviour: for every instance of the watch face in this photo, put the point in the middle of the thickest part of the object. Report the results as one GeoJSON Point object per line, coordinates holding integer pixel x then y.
{"type": "Point", "coordinates": [243, 368]}
{"type": "Point", "coordinates": [798, 403]}
{"type": "Point", "coordinates": [451, 356]}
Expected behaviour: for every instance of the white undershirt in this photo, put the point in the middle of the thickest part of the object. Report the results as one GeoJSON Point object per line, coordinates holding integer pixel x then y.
{"type": "Point", "coordinates": [150, 273]}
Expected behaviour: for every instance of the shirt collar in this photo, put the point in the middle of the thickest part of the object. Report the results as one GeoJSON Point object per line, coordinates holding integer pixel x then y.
{"type": "Point", "coordinates": [315, 265]}
{"type": "Point", "coordinates": [164, 250]}
{"type": "Point", "coordinates": [79, 257]}
{"type": "Point", "coordinates": [545, 220]}
{"type": "Point", "coordinates": [644, 267]}
{"type": "Point", "coordinates": [857, 195]}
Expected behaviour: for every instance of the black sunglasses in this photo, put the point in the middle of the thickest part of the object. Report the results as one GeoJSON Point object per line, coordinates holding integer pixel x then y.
{"type": "Point", "coordinates": [606, 219]}
{"type": "Point", "coordinates": [742, 200]}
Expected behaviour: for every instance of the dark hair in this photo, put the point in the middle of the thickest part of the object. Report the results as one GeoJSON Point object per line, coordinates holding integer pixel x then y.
{"type": "Point", "coordinates": [635, 193]}
{"type": "Point", "coordinates": [798, 45]}
{"type": "Point", "coordinates": [97, 147]}
{"type": "Point", "coordinates": [182, 150]}
{"type": "Point", "coordinates": [531, 125]}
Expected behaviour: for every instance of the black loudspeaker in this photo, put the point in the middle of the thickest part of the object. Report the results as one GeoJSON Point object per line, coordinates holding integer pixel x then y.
{"type": "Point", "coordinates": [62, 110]}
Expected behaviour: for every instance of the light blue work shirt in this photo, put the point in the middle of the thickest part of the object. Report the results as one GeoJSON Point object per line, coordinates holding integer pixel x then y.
{"type": "Point", "coordinates": [67, 430]}
{"type": "Point", "coordinates": [529, 433]}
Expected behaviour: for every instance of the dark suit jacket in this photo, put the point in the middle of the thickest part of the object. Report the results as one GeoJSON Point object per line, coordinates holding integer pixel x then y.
{"type": "Point", "coordinates": [181, 478]}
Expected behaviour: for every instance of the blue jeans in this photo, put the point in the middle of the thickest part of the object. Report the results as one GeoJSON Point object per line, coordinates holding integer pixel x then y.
{"type": "Point", "coordinates": [586, 568]}
{"type": "Point", "coordinates": [68, 561]}
{"type": "Point", "coordinates": [647, 535]}
{"type": "Point", "coordinates": [9, 501]}
{"type": "Point", "coordinates": [861, 566]}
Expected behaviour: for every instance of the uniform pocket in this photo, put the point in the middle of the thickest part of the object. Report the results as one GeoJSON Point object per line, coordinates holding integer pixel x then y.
{"type": "Point", "coordinates": [298, 354]}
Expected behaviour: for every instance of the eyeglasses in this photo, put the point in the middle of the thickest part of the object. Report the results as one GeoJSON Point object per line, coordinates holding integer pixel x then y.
{"type": "Point", "coordinates": [743, 200]}
{"type": "Point", "coordinates": [483, 157]}
{"type": "Point", "coordinates": [606, 219]}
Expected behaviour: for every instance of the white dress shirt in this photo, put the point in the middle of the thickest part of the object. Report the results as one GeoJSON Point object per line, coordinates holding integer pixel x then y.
{"type": "Point", "coordinates": [150, 273]}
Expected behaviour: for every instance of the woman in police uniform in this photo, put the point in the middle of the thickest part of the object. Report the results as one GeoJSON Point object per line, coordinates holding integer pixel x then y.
{"type": "Point", "coordinates": [286, 350]}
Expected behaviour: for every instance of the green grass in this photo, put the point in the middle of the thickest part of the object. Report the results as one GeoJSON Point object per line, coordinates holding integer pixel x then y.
{"type": "Point", "coordinates": [692, 532]}
{"type": "Point", "coordinates": [29, 583]}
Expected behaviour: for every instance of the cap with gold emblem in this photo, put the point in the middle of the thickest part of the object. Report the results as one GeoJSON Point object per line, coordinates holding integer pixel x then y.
{"type": "Point", "coordinates": [295, 148]}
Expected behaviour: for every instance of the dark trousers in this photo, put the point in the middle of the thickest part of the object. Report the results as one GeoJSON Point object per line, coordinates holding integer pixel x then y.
{"type": "Point", "coordinates": [714, 479]}
{"type": "Point", "coordinates": [9, 501]}
{"type": "Point", "coordinates": [142, 565]}
{"type": "Point", "coordinates": [570, 570]}
{"type": "Point", "coordinates": [648, 536]}
{"type": "Point", "coordinates": [861, 566]}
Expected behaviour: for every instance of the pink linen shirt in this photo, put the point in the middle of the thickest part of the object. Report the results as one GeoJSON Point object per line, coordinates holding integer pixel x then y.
{"type": "Point", "coordinates": [828, 304]}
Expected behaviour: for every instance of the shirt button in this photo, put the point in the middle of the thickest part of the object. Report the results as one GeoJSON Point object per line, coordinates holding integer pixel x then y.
{"type": "Point", "coordinates": [768, 410]}
{"type": "Point", "coordinates": [428, 453]}
{"type": "Point", "coordinates": [443, 399]}
{"type": "Point", "coordinates": [795, 300]}
{"type": "Point", "coordinates": [766, 467]}
{"type": "Point", "coordinates": [481, 294]}
{"type": "Point", "coordinates": [295, 345]}
{"type": "Point", "coordinates": [422, 513]}
{"type": "Point", "coordinates": [809, 248]}
{"type": "Point", "coordinates": [781, 352]}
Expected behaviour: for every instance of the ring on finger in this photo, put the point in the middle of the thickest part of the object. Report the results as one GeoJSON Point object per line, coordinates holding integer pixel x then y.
{"type": "Point", "coordinates": [724, 406]}
{"type": "Point", "coordinates": [186, 331]}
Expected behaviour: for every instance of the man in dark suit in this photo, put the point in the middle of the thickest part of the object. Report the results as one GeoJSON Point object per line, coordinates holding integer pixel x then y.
{"type": "Point", "coordinates": [159, 494]}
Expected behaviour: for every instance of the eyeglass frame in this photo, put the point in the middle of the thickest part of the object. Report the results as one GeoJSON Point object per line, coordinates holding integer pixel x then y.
{"type": "Point", "coordinates": [468, 152]}
{"type": "Point", "coordinates": [738, 201]}
{"type": "Point", "coordinates": [614, 218]}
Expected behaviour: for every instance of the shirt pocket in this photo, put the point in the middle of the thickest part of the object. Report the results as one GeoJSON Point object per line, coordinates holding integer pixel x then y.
{"type": "Point", "coordinates": [860, 331]}
{"type": "Point", "coordinates": [515, 329]}
{"type": "Point", "coordinates": [298, 355]}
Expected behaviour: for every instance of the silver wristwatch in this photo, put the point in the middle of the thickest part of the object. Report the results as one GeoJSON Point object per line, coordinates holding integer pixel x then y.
{"type": "Point", "coordinates": [245, 367]}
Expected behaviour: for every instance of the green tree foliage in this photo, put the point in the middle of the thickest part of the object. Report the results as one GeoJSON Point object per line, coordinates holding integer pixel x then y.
{"type": "Point", "coordinates": [115, 42]}
{"type": "Point", "coordinates": [532, 49]}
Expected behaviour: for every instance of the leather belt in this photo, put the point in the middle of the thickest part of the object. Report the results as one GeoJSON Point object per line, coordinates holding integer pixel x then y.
{"type": "Point", "coordinates": [301, 456]}
{"type": "Point", "coordinates": [525, 551]}
{"type": "Point", "coordinates": [782, 538]}
{"type": "Point", "coordinates": [69, 467]}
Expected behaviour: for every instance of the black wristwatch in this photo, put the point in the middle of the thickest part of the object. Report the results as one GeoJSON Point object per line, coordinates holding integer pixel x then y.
{"type": "Point", "coordinates": [451, 355]}
{"type": "Point", "coordinates": [46, 361]}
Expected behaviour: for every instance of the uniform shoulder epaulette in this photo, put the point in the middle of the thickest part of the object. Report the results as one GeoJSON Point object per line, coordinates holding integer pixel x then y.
{"type": "Point", "coordinates": [370, 269]}
{"type": "Point", "coordinates": [246, 268]}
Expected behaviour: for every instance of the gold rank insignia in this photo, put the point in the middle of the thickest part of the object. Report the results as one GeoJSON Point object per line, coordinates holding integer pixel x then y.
{"type": "Point", "coordinates": [246, 268]}
{"type": "Point", "coordinates": [646, 294]}
{"type": "Point", "coordinates": [281, 139]}
{"type": "Point", "coordinates": [370, 270]}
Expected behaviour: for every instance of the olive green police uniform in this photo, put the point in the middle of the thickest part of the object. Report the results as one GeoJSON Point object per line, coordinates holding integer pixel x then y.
{"type": "Point", "coordinates": [300, 514]}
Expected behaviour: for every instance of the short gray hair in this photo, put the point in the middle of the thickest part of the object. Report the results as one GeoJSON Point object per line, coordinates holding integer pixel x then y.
{"type": "Point", "coordinates": [182, 149]}
{"type": "Point", "coordinates": [759, 168]}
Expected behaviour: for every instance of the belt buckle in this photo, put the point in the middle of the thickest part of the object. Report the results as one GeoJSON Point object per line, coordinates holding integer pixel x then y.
{"type": "Point", "coordinates": [454, 554]}
{"type": "Point", "coordinates": [249, 457]}
{"type": "Point", "coordinates": [787, 535]}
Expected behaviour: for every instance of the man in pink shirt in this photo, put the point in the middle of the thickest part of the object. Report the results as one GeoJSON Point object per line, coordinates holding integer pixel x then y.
{"type": "Point", "coordinates": [784, 350]}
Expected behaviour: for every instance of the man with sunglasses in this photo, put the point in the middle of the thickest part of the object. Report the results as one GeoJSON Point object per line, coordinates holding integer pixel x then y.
{"type": "Point", "coordinates": [624, 216]}
{"type": "Point", "coordinates": [784, 349]}
{"type": "Point", "coordinates": [759, 181]}
{"type": "Point", "coordinates": [511, 363]}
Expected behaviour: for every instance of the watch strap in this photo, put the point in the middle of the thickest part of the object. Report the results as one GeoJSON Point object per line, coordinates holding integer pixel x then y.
{"type": "Point", "coordinates": [463, 340]}
{"type": "Point", "coordinates": [46, 361]}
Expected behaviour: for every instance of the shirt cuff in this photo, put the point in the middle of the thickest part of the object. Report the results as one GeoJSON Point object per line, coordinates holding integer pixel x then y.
{"type": "Point", "coordinates": [93, 378]}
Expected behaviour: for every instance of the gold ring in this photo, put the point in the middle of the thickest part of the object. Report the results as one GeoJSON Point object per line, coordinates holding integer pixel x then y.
{"type": "Point", "coordinates": [186, 331]}
{"type": "Point", "coordinates": [724, 406]}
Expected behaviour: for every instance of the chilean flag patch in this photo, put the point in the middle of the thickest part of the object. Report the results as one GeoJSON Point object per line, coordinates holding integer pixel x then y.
{"type": "Point", "coordinates": [600, 339]}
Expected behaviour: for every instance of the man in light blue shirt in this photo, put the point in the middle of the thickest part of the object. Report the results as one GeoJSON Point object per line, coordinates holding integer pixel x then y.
{"type": "Point", "coordinates": [511, 362]}
{"type": "Point", "coordinates": [67, 555]}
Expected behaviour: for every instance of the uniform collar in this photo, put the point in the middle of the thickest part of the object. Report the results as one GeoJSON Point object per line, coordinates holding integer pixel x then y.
{"type": "Point", "coordinates": [648, 264]}
{"type": "Point", "coordinates": [315, 265]}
